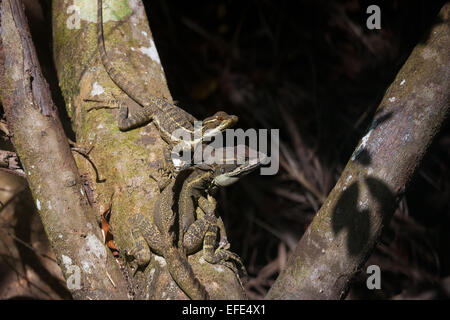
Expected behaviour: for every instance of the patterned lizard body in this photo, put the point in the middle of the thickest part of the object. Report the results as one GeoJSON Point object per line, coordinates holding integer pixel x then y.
{"type": "Point", "coordinates": [176, 231]}
{"type": "Point", "coordinates": [173, 123]}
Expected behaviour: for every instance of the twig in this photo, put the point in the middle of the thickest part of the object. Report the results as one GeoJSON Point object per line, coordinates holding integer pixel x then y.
{"type": "Point", "coordinates": [289, 166]}
{"type": "Point", "coordinates": [16, 193]}
{"type": "Point", "coordinates": [85, 155]}
{"type": "Point", "coordinates": [27, 245]}
{"type": "Point", "coordinates": [23, 276]}
{"type": "Point", "coordinates": [9, 162]}
{"type": "Point", "coordinates": [4, 128]}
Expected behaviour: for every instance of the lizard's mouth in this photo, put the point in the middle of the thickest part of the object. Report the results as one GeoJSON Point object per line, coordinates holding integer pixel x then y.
{"type": "Point", "coordinates": [228, 178]}
{"type": "Point", "coordinates": [224, 180]}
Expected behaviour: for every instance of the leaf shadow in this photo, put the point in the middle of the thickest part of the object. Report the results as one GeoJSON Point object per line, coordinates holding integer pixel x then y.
{"type": "Point", "coordinates": [347, 214]}
{"type": "Point", "coordinates": [29, 258]}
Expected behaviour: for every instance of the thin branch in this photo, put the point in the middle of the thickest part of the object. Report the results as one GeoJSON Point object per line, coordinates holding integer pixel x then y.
{"type": "Point", "coordinates": [52, 175]}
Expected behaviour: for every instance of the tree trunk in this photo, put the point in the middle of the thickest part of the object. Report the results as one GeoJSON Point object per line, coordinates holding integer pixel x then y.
{"type": "Point", "coordinates": [51, 172]}
{"type": "Point", "coordinates": [336, 244]}
{"type": "Point", "coordinates": [124, 160]}
{"type": "Point", "coordinates": [346, 228]}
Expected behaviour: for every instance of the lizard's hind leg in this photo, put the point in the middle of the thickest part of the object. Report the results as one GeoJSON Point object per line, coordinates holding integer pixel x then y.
{"type": "Point", "coordinates": [219, 255]}
{"type": "Point", "coordinates": [146, 236]}
{"type": "Point", "coordinates": [194, 236]}
{"type": "Point", "coordinates": [140, 250]}
{"type": "Point", "coordinates": [141, 117]}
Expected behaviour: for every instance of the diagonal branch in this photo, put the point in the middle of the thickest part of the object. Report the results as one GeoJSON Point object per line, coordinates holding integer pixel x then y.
{"type": "Point", "coordinates": [51, 172]}
{"type": "Point", "coordinates": [126, 160]}
{"type": "Point", "coordinates": [348, 225]}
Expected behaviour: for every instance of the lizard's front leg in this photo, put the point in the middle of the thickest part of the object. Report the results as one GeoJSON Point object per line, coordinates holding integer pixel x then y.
{"type": "Point", "coordinates": [171, 163]}
{"type": "Point", "coordinates": [141, 117]}
{"type": "Point", "coordinates": [103, 104]}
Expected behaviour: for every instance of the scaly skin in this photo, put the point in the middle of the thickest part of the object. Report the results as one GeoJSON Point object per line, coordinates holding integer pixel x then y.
{"type": "Point", "coordinates": [163, 238]}
{"type": "Point", "coordinates": [168, 118]}
{"type": "Point", "coordinates": [176, 231]}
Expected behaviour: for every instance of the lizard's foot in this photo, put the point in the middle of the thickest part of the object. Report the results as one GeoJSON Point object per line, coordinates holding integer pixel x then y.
{"type": "Point", "coordinates": [165, 172]}
{"type": "Point", "coordinates": [103, 104]}
{"type": "Point", "coordinates": [173, 162]}
{"type": "Point", "coordinates": [224, 244]}
{"type": "Point", "coordinates": [222, 256]}
{"type": "Point", "coordinates": [164, 177]}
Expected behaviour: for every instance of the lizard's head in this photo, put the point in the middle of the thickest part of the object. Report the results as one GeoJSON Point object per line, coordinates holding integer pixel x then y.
{"type": "Point", "coordinates": [236, 163]}
{"type": "Point", "coordinates": [219, 122]}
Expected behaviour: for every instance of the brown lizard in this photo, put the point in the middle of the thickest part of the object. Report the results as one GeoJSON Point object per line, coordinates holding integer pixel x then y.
{"type": "Point", "coordinates": [173, 123]}
{"type": "Point", "coordinates": [176, 231]}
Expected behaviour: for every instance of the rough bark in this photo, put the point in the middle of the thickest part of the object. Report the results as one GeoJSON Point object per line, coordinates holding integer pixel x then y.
{"type": "Point", "coordinates": [346, 228]}
{"type": "Point", "coordinates": [50, 169]}
{"type": "Point", "coordinates": [124, 160]}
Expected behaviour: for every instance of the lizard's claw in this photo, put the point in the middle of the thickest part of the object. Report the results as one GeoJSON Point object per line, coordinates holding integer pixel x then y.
{"type": "Point", "coordinates": [224, 244]}
{"type": "Point", "coordinates": [113, 103]}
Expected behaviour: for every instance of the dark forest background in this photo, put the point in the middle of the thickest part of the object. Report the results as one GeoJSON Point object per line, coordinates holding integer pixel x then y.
{"type": "Point", "coordinates": [309, 68]}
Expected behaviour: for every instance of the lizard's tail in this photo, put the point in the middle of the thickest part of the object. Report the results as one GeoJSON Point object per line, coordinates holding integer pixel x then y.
{"type": "Point", "coordinates": [184, 276]}
{"type": "Point", "coordinates": [128, 87]}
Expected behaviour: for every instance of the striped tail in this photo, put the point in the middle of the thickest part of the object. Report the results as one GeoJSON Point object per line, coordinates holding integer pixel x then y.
{"type": "Point", "coordinates": [181, 271]}
{"type": "Point", "coordinates": [177, 263]}
{"type": "Point", "coordinates": [133, 91]}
